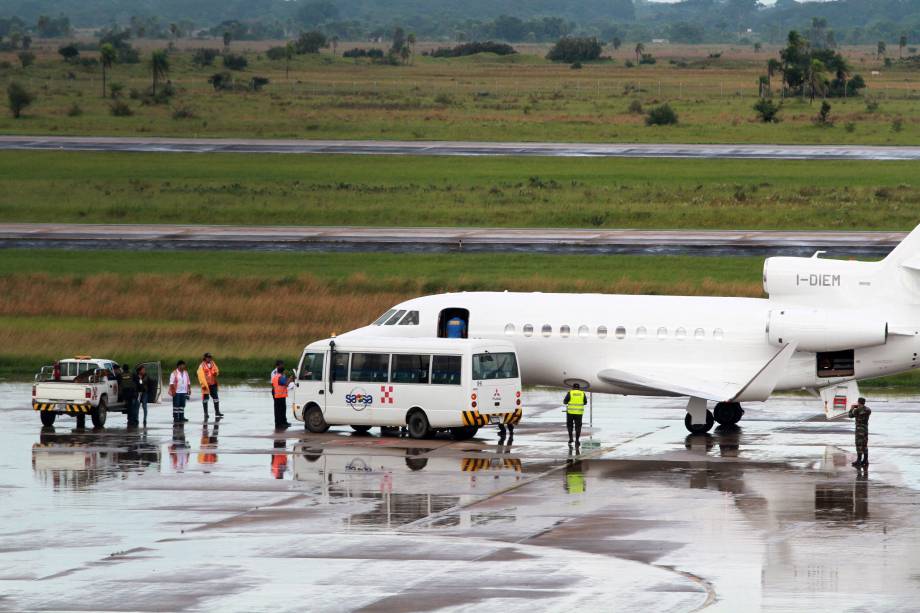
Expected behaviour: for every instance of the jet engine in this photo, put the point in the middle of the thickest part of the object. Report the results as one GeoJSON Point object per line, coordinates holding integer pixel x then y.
{"type": "Point", "coordinates": [817, 280]}
{"type": "Point", "coordinates": [824, 330]}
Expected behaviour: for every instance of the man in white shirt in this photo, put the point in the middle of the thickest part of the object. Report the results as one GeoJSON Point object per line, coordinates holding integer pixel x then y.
{"type": "Point", "coordinates": [179, 387]}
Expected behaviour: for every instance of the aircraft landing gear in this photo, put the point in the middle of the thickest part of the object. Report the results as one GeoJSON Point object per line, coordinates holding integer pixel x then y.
{"type": "Point", "coordinates": [728, 413]}
{"type": "Point", "coordinates": [699, 419]}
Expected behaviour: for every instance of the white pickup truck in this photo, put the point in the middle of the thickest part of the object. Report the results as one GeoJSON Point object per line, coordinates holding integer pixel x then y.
{"type": "Point", "coordinates": [83, 386]}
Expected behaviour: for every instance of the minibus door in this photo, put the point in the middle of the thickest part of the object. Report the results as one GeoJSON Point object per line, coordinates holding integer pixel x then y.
{"type": "Point", "coordinates": [311, 383]}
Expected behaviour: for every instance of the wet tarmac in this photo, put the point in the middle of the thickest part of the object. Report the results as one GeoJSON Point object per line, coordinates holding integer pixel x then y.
{"type": "Point", "coordinates": [439, 240]}
{"type": "Point", "coordinates": [457, 148]}
{"type": "Point", "coordinates": [235, 516]}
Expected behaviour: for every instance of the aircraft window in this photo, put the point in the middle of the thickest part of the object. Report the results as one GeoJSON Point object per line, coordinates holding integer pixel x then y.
{"type": "Point", "coordinates": [640, 332]}
{"type": "Point", "coordinates": [312, 367]}
{"type": "Point", "coordinates": [602, 332]}
{"type": "Point", "coordinates": [699, 333]}
{"type": "Point", "coordinates": [662, 332]}
{"type": "Point", "coordinates": [370, 367]}
{"type": "Point", "coordinates": [620, 332]}
{"type": "Point", "coordinates": [564, 331]}
{"type": "Point", "coordinates": [583, 331]}
{"type": "Point", "coordinates": [547, 330]}
{"type": "Point", "coordinates": [680, 333]}
{"type": "Point", "coordinates": [410, 368]}
{"type": "Point", "coordinates": [528, 330]}
{"type": "Point", "coordinates": [396, 317]}
{"type": "Point", "coordinates": [383, 318]}
{"type": "Point", "coordinates": [445, 369]}
{"type": "Point", "coordinates": [340, 367]}
{"type": "Point", "coordinates": [411, 319]}
{"type": "Point", "coordinates": [509, 329]}
{"type": "Point", "coordinates": [718, 334]}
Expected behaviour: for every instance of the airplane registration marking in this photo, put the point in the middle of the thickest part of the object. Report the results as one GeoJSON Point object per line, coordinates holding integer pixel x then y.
{"type": "Point", "coordinates": [816, 280]}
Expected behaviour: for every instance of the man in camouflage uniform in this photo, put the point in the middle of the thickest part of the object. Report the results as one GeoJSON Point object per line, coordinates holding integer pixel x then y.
{"type": "Point", "coordinates": [860, 412]}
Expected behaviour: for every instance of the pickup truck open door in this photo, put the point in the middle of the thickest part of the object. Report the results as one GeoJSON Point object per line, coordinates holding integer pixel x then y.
{"type": "Point", "coordinates": [154, 372]}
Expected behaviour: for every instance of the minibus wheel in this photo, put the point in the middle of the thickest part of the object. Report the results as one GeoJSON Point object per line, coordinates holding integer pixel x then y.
{"type": "Point", "coordinates": [418, 424]}
{"type": "Point", "coordinates": [314, 421]}
{"type": "Point", "coordinates": [464, 433]}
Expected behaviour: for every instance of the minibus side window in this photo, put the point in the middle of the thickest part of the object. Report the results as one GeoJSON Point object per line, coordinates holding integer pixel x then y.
{"type": "Point", "coordinates": [370, 367]}
{"type": "Point", "coordinates": [312, 369]}
{"type": "Point", "coordinates": [410, 369]}
{"type": "Point", "coordinates": [494, 366]}
{"type": "Point", "coordinates": [445, 369]}
{"type": "Point", "coordinates": [340, 367]}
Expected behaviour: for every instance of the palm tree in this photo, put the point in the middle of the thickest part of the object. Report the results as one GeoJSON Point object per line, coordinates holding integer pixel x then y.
{"type": "Point", "coordinates": [902, 42]}
{"type": "Point", "coordinates": [288, 54]}
{"type": "Point", "coordinates": [159, 67]}
{"type": "Point", "coordinates": [335, 43]}
{"type": "Point", "coordinates": [880, 49]}
{"type": "Point", "coordinates": [106, 58]}
{"type": "Point", "coordinates": [814, 76]}
{"type": "Point", "coordinates": [404, 53]}
{"type": "Point", "coordinates": [639, 49]}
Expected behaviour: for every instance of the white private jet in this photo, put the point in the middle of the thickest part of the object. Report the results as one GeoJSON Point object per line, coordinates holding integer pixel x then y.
{"type": "Point", "coordinates": [826, 323]}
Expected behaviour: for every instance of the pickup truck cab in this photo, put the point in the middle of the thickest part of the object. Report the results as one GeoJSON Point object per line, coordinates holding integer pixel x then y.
{"type": "Point", "coordinates": [83, 386]}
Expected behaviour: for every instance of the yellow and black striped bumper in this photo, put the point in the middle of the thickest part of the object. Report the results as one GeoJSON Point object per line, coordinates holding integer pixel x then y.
{"type": "Point", "coordinates": [474, 418]}
{"type": "Point", "coordinates": [62, 408]}
{"type": "Point", "coordinates": [478, 464]}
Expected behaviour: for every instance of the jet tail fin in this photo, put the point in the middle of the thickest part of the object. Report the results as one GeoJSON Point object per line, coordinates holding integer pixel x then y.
{"type": "Point", "coordinates": [907, 253]}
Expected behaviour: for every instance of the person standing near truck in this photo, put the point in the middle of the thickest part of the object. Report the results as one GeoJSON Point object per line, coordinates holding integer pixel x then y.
{"type": "Point", "coordinates": [147, 390]}
{"type": "Point", "coordinates": [280, 384]}
{"type": "Point", "coordinates": [128, 385]}
{"type": "Point", "coordinates": [207, 379]}
{"type": "Point", "coordinates": [179, 386]}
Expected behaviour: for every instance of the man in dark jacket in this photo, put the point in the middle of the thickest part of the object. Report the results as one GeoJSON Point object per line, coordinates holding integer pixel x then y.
{"type": "Point", "coordinates": [129, 386]}
{"type": "Point", "coordinates": [860, 412]}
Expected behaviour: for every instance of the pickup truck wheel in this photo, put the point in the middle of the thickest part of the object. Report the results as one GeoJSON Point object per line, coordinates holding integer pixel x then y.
{"type": "Point", "coordinates": [81, 422]}
{"type": "Point", "coordinates": [100, 413]}
{"type": "Point", "coordinates": [48, 417]}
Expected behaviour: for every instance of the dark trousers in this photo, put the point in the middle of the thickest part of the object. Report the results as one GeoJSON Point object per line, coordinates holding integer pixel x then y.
{"type": "Point", "coordinates": [212, 393]}
{"type": "Point", "coordinates": [573, 421]}
{"type": "Point", "coordinates": [862, 452]}
{"type": "Point", "coordinates": [280, 412]}
{"type": "Point", "coordinates": [132, 405]}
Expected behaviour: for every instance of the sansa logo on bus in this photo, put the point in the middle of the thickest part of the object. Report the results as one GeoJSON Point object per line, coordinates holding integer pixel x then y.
{"type": "Point", "coordinates": [358, 399]}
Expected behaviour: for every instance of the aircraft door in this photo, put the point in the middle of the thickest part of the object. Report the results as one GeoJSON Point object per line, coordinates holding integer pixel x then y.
{"type": "Point", "coordinates": [454, 323]}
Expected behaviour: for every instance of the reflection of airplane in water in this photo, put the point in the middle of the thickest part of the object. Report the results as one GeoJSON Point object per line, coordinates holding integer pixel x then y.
{"type": "Point", "coordinates": [81, 459]}
{"type": "Point", "coordinates": [409, 483]}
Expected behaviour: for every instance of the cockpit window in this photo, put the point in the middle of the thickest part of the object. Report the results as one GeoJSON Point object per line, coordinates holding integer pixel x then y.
{"type": "Point", "coordinates": [411, 319]}
{"type": "Point", "coordinates": [383, 318]}
{"type": "Point", "coordinates": [396, 317]}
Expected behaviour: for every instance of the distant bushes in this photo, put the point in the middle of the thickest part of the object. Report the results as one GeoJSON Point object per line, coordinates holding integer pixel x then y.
{"type": "Point", "coordinates": [571, 49]}
{"type": "Point", "coordinates": [767, 110]}
{"type": "Point", "coordinates": [235, 61]}
{"type": "Point", "coordinates": [662, 115]}
{"type": "Point", "coordinates": [277, 53]}
{"type": "Point", "coordinates": [473, 48]}
{"type": "Point", "coordinates": [374, 54]}
{"type": "Point", "coordinates": [204, 57]}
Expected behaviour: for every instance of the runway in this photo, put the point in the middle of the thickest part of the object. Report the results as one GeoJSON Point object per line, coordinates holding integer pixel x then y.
{"type": "Point", "coordinates": [423, 240]}
{"type": "Point", "coordinates": [235, 516]}
{"type": "Point", "coordinates": [457, 148]}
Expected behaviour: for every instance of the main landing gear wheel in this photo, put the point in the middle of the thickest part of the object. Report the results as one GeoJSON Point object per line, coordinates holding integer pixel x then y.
{"type": "Point", "coordinates": [314, 421]}
{"type": "Point", "coordinates": [47, 417]}
{"type": "Point", "coordinates": [728, 413]}
{"type": "Point", "coordinates": [361, 429]}
{"type": "Point", "coordinates": [418, 425]}
{"type": "Point", "coordinates": [699, 428]}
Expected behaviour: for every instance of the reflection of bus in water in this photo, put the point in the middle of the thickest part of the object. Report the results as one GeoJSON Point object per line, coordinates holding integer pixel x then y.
{"type": "Point", "coordinates": [409, 483]}
{"type": "Point", "coordinates": [80, 460]}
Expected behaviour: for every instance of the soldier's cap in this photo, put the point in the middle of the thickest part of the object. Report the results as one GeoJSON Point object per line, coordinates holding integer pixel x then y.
{"type": "Point", "coordinates": [861, 400]}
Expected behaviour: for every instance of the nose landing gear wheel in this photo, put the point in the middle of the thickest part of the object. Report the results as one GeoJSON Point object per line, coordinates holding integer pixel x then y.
{"type": "Point", "coordinates": [700, 428]}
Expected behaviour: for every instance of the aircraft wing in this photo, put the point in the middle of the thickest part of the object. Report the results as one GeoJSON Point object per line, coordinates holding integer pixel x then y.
{"type": "Point", "coordinates": [753, 381]}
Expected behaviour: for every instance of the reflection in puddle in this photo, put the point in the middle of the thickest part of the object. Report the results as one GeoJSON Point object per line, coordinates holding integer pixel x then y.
{"type": "Point", "coordinates": [80, 459]}
{"type": "Point", "coordinates": [408, 484]}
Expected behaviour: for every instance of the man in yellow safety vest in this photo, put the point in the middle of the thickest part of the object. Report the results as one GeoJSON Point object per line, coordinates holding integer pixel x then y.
{"type": "Point", "coordinates": [574, 402]}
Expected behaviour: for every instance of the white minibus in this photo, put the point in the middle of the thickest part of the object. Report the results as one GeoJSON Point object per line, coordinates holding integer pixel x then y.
{"type": "Point", "coordinates": [425, 384]}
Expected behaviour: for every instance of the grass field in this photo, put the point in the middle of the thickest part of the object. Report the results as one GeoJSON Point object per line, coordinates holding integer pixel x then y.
{"type": "Point", "coordinates": [484, 97]}
{"type": "Point", "coordinates": [406, 191]}
{"type": "Point", "coordinates": [251, 308]}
